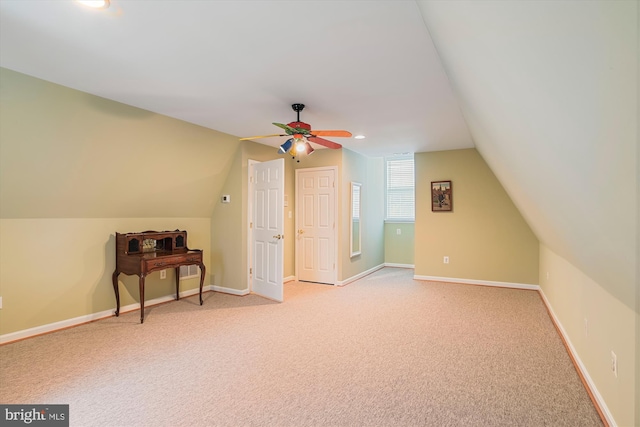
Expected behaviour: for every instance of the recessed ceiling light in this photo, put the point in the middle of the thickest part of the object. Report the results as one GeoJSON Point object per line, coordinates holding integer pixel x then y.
{"type": "Point", "coordinates": [96, 4]}
{"type": "Point", "coordinates": [359, 137]}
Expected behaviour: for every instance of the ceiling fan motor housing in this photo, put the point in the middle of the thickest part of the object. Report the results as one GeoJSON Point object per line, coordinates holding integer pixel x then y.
{"type": "Point", "coordinates": [301, 125]}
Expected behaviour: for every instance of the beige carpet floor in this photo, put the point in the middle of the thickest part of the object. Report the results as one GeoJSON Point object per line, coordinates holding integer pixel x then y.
{"type": "Point", "coordinates": [386, 350]}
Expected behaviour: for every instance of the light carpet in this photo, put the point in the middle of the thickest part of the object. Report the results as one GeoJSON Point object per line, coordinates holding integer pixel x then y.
{"type": "Point", "coordinates": [386, 350]}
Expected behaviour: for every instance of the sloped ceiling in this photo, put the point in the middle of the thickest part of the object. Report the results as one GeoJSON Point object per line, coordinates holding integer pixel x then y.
{"type": "Point", "coordinates": [237, 66]}
{"type": "Point", "coordinates": [549, 91]}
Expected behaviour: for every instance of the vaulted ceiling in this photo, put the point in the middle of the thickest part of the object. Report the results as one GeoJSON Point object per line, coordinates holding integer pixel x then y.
{"type": "Point", "coordinates": [237, 66]}
{"type": "Point", "coordinates": [545, 90]}
{"type": "Point", "coordinates": [549, 90]}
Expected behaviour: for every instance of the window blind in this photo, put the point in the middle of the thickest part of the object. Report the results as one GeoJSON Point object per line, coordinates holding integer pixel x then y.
{"type": "Point", "coordinates": [400, 191]}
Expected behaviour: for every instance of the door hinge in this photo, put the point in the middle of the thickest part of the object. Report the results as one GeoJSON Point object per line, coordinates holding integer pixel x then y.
{"type": "Point", "coordinates": [251, 271]}
{"type": "Point", "coordinates": [251, 225]}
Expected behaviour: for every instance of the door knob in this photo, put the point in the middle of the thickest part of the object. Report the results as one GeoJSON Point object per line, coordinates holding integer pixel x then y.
{"type": "Point", "coordinates": [301, 231]}
{"type": "Point", "coordinates": [278, 237]}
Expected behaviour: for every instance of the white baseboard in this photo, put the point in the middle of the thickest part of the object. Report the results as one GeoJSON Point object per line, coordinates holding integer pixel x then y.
{"type": "Point", "coordinates": [239, 292]}
{"type": "Point", "coordinates": [359, 276]}
{"type": "Point", "coordinates": [51, 327]}
{"type": "Point", "coordinates": [478, 282]}
{"type": "Point", "coordinates": [396, 265]}
{"type": "Point", "coordinates": [583, 370]}
{"type": "Point", "coordinates": [243, 292]}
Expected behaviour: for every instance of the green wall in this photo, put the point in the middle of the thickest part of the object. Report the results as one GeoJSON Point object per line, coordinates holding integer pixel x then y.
{"type": "Point", "coordinates": [398, 248]}
{"type": "Point", "coordinates": [75, 169]}
{"type": "Point", "coordinates": [370, 173]}
{"type": "Point", "coordinates": [228, 269]}
{"type": "Point", "coordinates": [229, 220]}
{"type": "Point", "coordinates": [485, 237]}
{"type": "Point", "coordinates": [229, 223]}
{"type": "Point", "coordinates": [68, 154]}
{"type": "Point", "coordinates": [576, 299]}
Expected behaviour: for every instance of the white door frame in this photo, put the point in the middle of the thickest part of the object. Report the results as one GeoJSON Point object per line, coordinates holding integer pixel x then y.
{"type": "Point", "coordinates": [250, 186]}
{"type": "Point", "coordinates": [337, 218]}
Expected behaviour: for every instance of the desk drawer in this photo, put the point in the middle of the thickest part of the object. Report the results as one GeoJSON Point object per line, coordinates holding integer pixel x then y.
{"type": "Point", "coordinates": [172, 261]}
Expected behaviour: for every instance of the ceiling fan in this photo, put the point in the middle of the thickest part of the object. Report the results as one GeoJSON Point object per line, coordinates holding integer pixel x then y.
{"type": "Point", "coordinates": [301, 134]}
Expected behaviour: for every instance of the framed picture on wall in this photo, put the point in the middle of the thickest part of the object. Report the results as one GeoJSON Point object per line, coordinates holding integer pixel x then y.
{"type": "Point", "coordinates": [441, 196]}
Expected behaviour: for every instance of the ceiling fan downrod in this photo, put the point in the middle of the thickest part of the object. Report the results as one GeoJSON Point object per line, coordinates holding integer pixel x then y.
{"type": "Point", "coordinates": [297, 108]}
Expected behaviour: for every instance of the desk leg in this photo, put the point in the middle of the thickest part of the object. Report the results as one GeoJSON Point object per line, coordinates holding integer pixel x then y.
{"type": "Point", "coordinates": [141, 298]}
{"type": "Point", "coordinates": [115, 288]}
{"type": "Point", "coordinates": [177, 283]}
{"type": "Point", "coordinates": [202, 274]}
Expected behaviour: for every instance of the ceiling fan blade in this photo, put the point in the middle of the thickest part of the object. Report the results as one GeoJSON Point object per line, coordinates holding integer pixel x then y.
{"type": "Point", "coordinates": [341, 133]}
{"type": "Point", "coordinates": [287, 128]}
{"type": "Point", "coordinates": [261, 136]}
{"type": "Point", "coordinates": [291, 130]}
{"type": "Point", "coordinates": [325, 142]}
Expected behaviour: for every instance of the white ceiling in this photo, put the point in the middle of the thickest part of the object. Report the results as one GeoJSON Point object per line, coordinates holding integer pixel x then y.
{"type": "Point", "coordinates": [369, 67]}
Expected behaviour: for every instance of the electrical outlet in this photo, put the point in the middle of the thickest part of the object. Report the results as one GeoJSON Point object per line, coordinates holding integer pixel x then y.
{"type": "Point", "coordinates": [0, 302]}
{"type": "Point", "coordinates": [547, 275]}
{"type": "Point", "coordinates": [446, 260]}
{"type": "Point", "coordinates": [614, 364]}
{"type": "Point", "coordinates": [163, 274]}
{"type": "Point", "coordinates": [398, 231]}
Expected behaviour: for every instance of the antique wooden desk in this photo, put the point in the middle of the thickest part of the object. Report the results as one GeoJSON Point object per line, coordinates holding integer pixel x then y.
{"type": "Point", "coordinates": [149, 251]}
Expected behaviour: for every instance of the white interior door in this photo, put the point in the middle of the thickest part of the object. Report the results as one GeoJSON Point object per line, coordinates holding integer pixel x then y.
{"type": "Point", "coordinates": [268, 229]}
{"type": "Point", "coordinates": [316, 225]}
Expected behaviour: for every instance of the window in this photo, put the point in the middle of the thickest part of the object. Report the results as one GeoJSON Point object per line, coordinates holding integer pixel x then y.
{"type": "Point", "coordinates": [400, 193]}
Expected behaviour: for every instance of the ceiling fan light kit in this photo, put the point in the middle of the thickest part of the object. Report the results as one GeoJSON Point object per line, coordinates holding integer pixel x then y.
{"type": "Point", "coordinates": [296, 147]}
{"type": "Point", "coordinates": [286, 146]}
{"type": "Point", "coordinates": [301, 134]}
